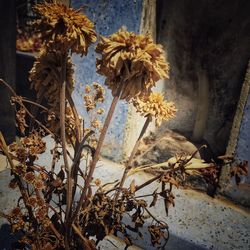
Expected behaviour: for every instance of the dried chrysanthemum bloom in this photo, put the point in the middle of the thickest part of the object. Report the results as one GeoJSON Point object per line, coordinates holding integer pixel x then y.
{"type": "Point", "coordinates": [64, 28]}
{"type": "Point", "coordinates": [99, 94]}
{"type": "Point", "coordinates": [40, 202]}
{"type": "Point", "coordinates": [43, 176]}
{"type": "Point", "coordinates": [46, 76]}
{"type": "Point", "coordinates": [131, 60]}
{"type": "Point", "coordinates": [21, 154]}
{"type": "Point", "coordinates": [41, 213]}
{"type": "Point", "coordinates": [29, 177]}
{"type": "Point", "coordinates": [97, 182]}
{"type": "Point", "coordinates": [20, 120]}
{"type": "Point", "coordinates": [95, 123]}
{"type": "Point", "coordinates": [100, 111]}
{"type": "Point", "coordinates": [53, 123]}
{"type": "Point", "coordinates": [39, 184]}
{"type": "Point", "coordinates": [33, 143]}
{"type": "Point", "coordinates": [70, 121]}
{"type": "Point", "coordinates": [95, 95]}
{"type": "Point", "coordinates": [89, 102]}
{"type": "Point", "coordinates": [13, 184]}
{"type": "Point", "coordinates": [155, 106]}
{"type": "Point", "coordinates": [20, 169]}
{"type": "Point", "coordinates": [31, 201]}
{"type": "Point", "coordinates": [87, 89]}
{"type": "Point", "coordinates": [15, 212]}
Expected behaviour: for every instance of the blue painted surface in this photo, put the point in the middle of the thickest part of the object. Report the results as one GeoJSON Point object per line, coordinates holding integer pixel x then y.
{"type": "Point", "coordinates": [108, 16]}
{"type": "Point", "coordinates": [243, 146]}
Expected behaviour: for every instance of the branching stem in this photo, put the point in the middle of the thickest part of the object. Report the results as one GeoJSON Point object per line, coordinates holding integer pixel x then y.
{"type": "Point", "coordinates": [97, 152]}
{"type": "Point", "coordinates": [132, 155]}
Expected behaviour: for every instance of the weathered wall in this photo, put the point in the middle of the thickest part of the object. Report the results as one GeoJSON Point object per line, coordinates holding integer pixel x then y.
{"type": "Point", "coordinates": [108, 16]}
{"type": "Point", "coordinates": [243, 146]}
{"type": "Point", "coordinates": [239, 147]}
{"type": "Point", "coordinates": [7, 66]}
{"type": "Point", "coordinates": [208, 44]}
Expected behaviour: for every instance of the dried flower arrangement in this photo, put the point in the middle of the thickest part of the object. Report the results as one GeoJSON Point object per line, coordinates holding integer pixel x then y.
{"type": "Point", "coordinates": [50, 212]}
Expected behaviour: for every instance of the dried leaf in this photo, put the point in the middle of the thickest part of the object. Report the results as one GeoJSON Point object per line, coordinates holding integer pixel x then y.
{"type": "Point", "coordinates": [132, 187]}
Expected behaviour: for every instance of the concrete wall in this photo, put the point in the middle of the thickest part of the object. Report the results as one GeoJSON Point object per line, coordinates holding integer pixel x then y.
{"type": "Point", "coordinates": [239, 146]}
{"type": "Point", "coordinates": [208, 46]}
{"type": "Point", "coordinates": [108, 16]}
{"type": "Point", "coordinates": [243, 146]}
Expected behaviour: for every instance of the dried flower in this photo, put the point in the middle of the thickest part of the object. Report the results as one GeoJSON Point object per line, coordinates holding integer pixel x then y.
{"type": "Point", "coordinates": [13, 184]}
{"type": "Point", "coordinates": [41, 213]}
{"type": "Point", "coordinates": [20, 169]}
{"type": "Point", "coordinates": [131, 60]}
{"type": "Point", "coordinates": [43, 176]}
{"type": "Point", "coordinates": [64, 28]}
{"type": "Point", "coordinates": [28, 42]}
{"type": "Point", "coordinates": [99, 92]}
{"type": "Point", "coordinates": [29, 177]}
{"type": "Point", "coordinates": [46, 76]}
{"type": "Point", "coordinates": [95, 123]}
{"type": "Point", "coordinates": [20, 120]}
{"type": "Point", "coordinates": [40, 202]}
{"type": "Point", "coordinates": [70, 121]}
{"type": "Point", "coordinates": [21, 154]}
{"type": "Point", "coordinates": [16, 212]}
{"type": "Point", "coordinates": [34, 143]}
{"type": "Point", "coordinates": [100, 111]}
{"type": "Point", "coordinates": [31, 201]}
{"type": "Point", "coordinates": [156, 106]}
{"type": "Point", "coordinates": [46, 223]}
{"type": "Point", "coordinates": [93, 142]}
{"type": "Point", "coordinates": [39, 184]}
{"type": "Point", "coordinates": [97, 182]}
{"type": "Point", "coordinates": [87, 89]}
{"type": "Point", "coordinates": [89, 103]}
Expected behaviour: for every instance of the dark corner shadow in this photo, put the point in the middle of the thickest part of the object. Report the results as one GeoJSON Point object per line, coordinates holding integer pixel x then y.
{"type": "Point", "coordinates": [7, 239]}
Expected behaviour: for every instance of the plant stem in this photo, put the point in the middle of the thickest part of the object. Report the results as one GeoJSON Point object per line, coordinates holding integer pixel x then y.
{"type": "Point", "coordinates": [76, 116]}
{"type": "Point", "coordinates": [97, 152]}
{"type": "Point", "coordinates": [64, 149]}
{"type": "Point", "coordinates": [27, 111]}
{"type": "Point", "coordinates": [132, 155]}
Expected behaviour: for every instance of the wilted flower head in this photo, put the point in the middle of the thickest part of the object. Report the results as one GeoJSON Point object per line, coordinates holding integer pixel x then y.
{"type": "Point", "coordinates": [65, 28]}
{"type": "Point", "coordinates": [13, 184]}
{"type": "Point", "coordinates": [16, 212]}
{"type": "Point", "coordinates": [31, 201]}
{"type": "Point", "coordinates": [94, 95]}
{"type": "Point", "coordinates": [46, 76]}
{"type": "Point", "coordinates": [132, 60]}
{"type": "Point", "coordinates": [156, 106]}
{"type": "Point", "coordinates": [95, 123]}
{"type": "Point", "coordinates": [20, 120]}
{"type": "Point", "coordinates": [39, 184]}
{"type": "Point", "coordinates": [29, 177]}
{"type": "Point", "coordinates": [41, 213]}
{"type": "Point", "coordinates": [33, 143]}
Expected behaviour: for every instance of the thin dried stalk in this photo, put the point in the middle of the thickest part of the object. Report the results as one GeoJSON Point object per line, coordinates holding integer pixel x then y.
{"type": "Point", "coordinates": [132, 155]}
{"type": "Point", "coordinates": [77, 120]}
{"type": "Point", "coordinates": [97, 152]}
{"type": "Point", "coordinates": [63, 142]}
{"type": "Point", "coordinates": [27, 111]}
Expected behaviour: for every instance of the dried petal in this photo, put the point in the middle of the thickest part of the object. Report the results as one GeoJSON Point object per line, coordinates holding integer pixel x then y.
{"type": "Point", "coordinates": [155, 105]}
{"type": "Point", "coordinates": [131, 60]}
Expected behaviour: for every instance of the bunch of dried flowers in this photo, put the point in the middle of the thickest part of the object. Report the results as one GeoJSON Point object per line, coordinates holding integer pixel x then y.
{"type": "Point", "coordinates": [54, 210]}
